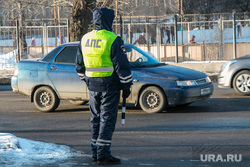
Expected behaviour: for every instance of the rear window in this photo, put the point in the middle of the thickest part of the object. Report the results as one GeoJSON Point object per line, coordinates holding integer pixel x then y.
{"type": "Point", "coordinates": [51, 54]}
{"type": "Point", "coordinates": [67, 55]}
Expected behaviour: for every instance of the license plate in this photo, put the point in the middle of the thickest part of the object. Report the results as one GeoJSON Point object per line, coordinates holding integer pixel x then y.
{"type": "Point", "coordinates": [205, 91]}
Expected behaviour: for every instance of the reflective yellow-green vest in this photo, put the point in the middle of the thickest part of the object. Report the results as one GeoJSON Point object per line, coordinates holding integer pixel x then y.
{"type": "Point", "coordinates": [96, 50]}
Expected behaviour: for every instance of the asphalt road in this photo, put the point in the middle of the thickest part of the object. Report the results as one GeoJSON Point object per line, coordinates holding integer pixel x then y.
{"type": "Point", "coordinates": [213, 132]}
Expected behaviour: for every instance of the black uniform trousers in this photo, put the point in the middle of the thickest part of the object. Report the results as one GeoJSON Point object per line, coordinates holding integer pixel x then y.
{"type": "Point", "coordinates": [104, 108]}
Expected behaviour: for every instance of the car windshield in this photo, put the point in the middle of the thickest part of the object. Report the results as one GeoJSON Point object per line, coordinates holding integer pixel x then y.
{"type": "Point", "coordinates": [139, 58]}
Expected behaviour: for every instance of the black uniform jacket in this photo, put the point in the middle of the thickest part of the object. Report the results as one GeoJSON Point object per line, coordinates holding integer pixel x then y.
{"type": "Point", "coordinates": [121, 77]}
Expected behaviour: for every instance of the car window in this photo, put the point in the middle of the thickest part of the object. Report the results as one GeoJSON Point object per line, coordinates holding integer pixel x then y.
{"type": "Point", "coordinates": [51, 54]}
{"type": "Point", "coordinates": [134, 55]}
{"type": "Point", "coordinates": [139, 58]}
{"type": "Point", "coordinates": [67, 55]}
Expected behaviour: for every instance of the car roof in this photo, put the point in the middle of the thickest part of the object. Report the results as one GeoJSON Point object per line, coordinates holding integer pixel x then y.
{"type": "Point", "coordinates": [244, 57]}
{"type": "Point", "coordinates": [72, 43]}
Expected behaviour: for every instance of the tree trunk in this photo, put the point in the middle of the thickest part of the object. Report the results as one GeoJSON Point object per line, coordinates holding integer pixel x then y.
{"type": "Point", "coordinates": [22, 41]}
{"type": "Point", "coordinates": [81, 18]}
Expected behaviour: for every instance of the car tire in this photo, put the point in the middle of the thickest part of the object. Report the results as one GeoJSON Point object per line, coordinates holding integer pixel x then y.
{"type": "Point", "coordinates": [45, 99]}
{"type": "Point", "coordinates": [152, 100]}
{"type": "Point", "coordinates": [78, 102]}
{"type": "Point", "coordinates": [241, 82]}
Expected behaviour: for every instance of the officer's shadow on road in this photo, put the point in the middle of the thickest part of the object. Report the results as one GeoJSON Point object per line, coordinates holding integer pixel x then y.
{"type": "Point", "coordinates": [68, 107]}
{"type": "Point", "coordinates": [214, 105]}
{"type": "Point", "coordinates": [72, 108]}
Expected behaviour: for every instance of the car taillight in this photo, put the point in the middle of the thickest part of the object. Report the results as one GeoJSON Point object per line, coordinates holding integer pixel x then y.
{"type": "Point", "coordinates": [16, 72]}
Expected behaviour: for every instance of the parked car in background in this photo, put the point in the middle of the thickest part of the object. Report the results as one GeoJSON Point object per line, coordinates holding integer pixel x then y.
{"type": "Point", "coordinates": [236, 74]}
{"type": "Point", "coordinates": [155, 86]}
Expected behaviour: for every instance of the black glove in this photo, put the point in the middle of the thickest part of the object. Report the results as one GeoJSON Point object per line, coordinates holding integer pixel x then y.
{"type": "Point", "coordinates": [126, 93]}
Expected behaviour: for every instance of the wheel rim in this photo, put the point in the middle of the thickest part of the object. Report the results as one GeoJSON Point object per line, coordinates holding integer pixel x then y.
{"type": "Point", "coordinates": [243, 83]}
{"type": "Point", "coordinates": [45, 99]}
{"type": "Point", "coordinates": [152, 100]}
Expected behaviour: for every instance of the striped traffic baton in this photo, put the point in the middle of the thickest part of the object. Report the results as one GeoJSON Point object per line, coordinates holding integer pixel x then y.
{"type": "Point", "coordinates": [123, 111]}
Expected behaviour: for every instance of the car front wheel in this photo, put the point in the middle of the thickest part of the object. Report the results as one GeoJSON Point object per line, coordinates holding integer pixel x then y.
{"type": "Point", "coordinates": [152, 100]}
{"type": "Point", "coordinates": [45, 99]}
{"type": "Point", "coordinates": [241, 82]}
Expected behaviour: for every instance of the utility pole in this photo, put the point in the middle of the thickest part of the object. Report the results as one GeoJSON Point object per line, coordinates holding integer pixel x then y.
{"type": "Point", "coordinates": [55, 21]}
{"type": "Point", "coordinates": [176, 39]}
{"type": "Point", "coordinates": [234, 36]}
{"type": "Point", "coordinates": [12, 13]}
{"type": "Point", "coordinates": [116, 15]}
{"type": "Point", "coordinates": [182, 48]}
{"type": "Point", "coordinates": [60, 34]}
{"type": "Point", "coordinates": [181, 22]}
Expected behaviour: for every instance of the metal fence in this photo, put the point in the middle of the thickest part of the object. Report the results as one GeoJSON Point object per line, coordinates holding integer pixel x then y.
{"type": "Point", "coordinates": [217, 37]}
{"type": "Point", "coordinates": [38, 41]}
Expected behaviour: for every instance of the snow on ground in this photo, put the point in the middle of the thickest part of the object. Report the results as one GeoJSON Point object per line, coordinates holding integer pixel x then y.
{"type": "Point", "coordinates": [8, 60]}
{"type": "Point", "coordinates": [19, 152]}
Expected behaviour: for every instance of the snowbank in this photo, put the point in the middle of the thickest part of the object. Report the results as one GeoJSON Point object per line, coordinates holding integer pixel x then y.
{"type": "Point", "coordinates": [8, 60]}
{"type": "Point", "coordinates": [16, 152]}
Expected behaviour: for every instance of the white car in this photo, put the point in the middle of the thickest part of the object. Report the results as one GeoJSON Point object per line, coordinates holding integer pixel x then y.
{"type": "Point", "coordinates": [236, 74]}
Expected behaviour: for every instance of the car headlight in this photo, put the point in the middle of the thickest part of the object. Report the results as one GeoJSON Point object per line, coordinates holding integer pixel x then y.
{"type": "Point", "coordinates": [194, 82]}
{"type": "Point", "coordinates": [227, 64]}
{"type": "Point", "coordinates": [208, 79]}
{"type": "Point", "coordinates": [186, 83]}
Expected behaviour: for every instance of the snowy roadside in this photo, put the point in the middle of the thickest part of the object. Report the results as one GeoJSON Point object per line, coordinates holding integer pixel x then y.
{"type": "Point", "coordinates": [17, 152]}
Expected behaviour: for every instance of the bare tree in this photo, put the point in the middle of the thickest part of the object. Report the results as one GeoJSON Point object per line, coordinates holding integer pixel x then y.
{"type": "Point", "coordinates": [215, 6]}
{"type": "Point", "coordinates": [81, 18]}
{"type": "Point", "coordinates": [81, 21]}
{"type": "Point", "coordinates": [33, 9]}
{"type": "Point", "coordinates": [80, 11]}
{"type": "Point", "coordinates": [23, 10]}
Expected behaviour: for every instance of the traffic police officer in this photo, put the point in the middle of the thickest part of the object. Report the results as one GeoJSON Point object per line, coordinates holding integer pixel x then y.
{"type": "Point", "coordinates": [102, 63]}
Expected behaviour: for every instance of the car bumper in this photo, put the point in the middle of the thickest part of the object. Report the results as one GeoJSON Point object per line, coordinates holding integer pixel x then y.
{"type": "Point", "coordinates": [19, 88]}
{"type": "Point", "coordinates": [224, 80]}
{"type": "Point", "coordinates": [184, 95]}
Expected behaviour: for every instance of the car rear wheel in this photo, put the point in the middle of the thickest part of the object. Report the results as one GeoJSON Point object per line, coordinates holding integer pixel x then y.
{"type": "Point", "coordinates": [45, 99]}
{"type": "Point", "coordinates": [152, 100]}
{"type": "Point", "coordinates": [241, 82]}
{"type": "Point", "coordinates": [78, 102]}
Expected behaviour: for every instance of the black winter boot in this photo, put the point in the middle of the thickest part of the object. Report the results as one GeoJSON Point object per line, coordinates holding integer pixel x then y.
{"type": "Point", "coordinates": [108, 161]}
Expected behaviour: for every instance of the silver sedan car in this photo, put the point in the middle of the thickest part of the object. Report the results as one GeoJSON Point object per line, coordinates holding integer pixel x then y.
{"type": "Point", "coordinates": [155, 86]}
{"type": "Point", "coordinates": [236, 74]}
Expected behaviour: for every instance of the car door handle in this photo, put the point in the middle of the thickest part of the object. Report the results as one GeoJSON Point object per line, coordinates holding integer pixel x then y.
{"type": "Point", "coordinates": [53, 68]}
